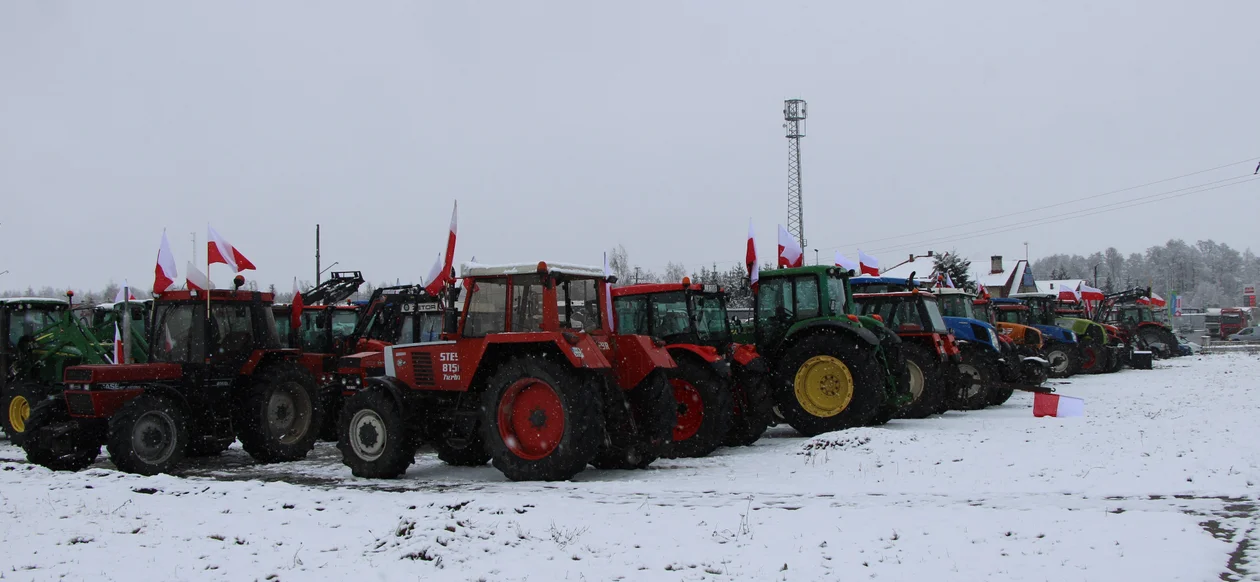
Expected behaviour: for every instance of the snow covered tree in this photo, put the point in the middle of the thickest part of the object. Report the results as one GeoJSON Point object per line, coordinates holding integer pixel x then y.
{"type": "Point", "coordinates": [958, 269]}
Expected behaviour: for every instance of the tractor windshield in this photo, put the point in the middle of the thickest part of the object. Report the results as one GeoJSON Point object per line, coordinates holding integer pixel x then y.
{"type": "Point", "coordinates": [1014, 315]}
{"type": "Point", "coordinates": [904, 314]}
{"type": "Point", "coordinates": [29, 321]}
{"type": "Point", "coordinates": [669, 317]}
{"type": "Point", "coordinates": [579, 304]}
{"type": "Point", "coordinates": [177, 333]}
{"type": "Point", "coordinates": [980, 311]}
{"type": "Point", "coordinates": [934, 314]}
{"type": "Point", "coordinates": [836, 294]}
{"type": "Point", "coordinates": [709, 311]}
{"type": "Point", "coordinates": [1041, 312]}
{"type": "Point", "coordinates": [956, 305]}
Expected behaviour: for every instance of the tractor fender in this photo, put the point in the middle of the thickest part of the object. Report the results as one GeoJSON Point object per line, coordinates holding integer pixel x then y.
{"type": "Point", "coordinates": [591, 359]}
{"type": "Point", "coordinates": [746, 355]}
{"type": "Point", "coordinates": [705, 355]}
{"type": "Point", "coordinates": [637, 356]}
{"type": "Point", "coordinates": [392, 386]}
{"type": "Point", "coordinates": [804, 329]}
{"type": "Point", "coordinates": [1058, 334]}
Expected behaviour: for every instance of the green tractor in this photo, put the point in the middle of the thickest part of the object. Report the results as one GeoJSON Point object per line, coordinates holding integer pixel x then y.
{"type": "Point", "coordinates": [42, 336]}
{"type": "Point", "coordinates": [830, 368]}
{"type": "Point", "coordinates": [106, 315]}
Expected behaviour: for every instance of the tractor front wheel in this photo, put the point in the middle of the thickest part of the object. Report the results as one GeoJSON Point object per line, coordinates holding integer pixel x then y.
{"type": "Point", "coordinates": [704, 410]}
{"type": "Point", "coordinates": [827, 382]}
{"type": "Point", "coordinates": [15, 406]}
{"type": "Point", "coordinates": [973, 390]}
{"type": "Point", "coordinates": [372, 436]}
{"type": "Point", "coordinates": [1093, 357]}
{"type": "Point", "coordinates": [541, 421]}
{"type": "Point", "coordinates": [85, 442]}
{"type": "Point", "coordinates": [923, 376]}
{"type": "Point", "coordinates": [469, 452]}
{"type": "Point", "coordinates": [148, 435]}
{"type": "Point", "coordinates": [1063, 360]}
{"type": "Point", "coordinates": [748, 421]}
{"type": "Point", "coordinates": [281, 415]}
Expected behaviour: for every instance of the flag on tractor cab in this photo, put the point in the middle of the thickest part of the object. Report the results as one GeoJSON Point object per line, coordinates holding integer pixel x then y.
{"type": "Point", "coordinates": [295, 312]}
{"type": "Point", "coordinates": [1046, 404]}
{"type": "Point", "coordinates": [221, 251]}
{"type": "Point", "coordinates": [982, 292]}
{"type": "Point", "coordinates": [164, 274]}
{"type": "Point", "coordinates": [195, 280]}
{"type": "Point", "coordinates": [750, 257]}
{"type": "Point", "coordinates": [1068, 294]}
{"type": "Point", "coordinates": [868, 264]}
{"type": "Point", "coordinates": [118, 345]}
{"type": "Point", "coordinates": [437, 280]}
{"type": "Point", "coordinates": [790, 253]}
{"type": "Point", "coordinates": [124, 293]}
{"type": "Point", "coordinates": [846, 263]}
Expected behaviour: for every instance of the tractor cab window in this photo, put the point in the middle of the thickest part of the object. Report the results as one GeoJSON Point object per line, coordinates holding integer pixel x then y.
{"type": "Point", "coordinates": [487, 307]}
{"type": "Point", "coordinates": [527, 303]}
{"type": "Point", "coordinates": [578, 301]}
{"type": "Point", "coordinates": [710, 316]}
{"type": "Point", "coordinates": [807, 302]}
{"type": "Point", "coordinates": [343, 323]}
{"type": "Point", "coordinates": [980, 312]}
{"type": "Point", "coordinates": [1041, 312]}
{"type": "Point", "coordinates": [836, 295]}
{"type": "Point", "coordinates": [177, 334]}
{"type": "Point", "coordinates": [28, 322]}
{"type": "Point", "coordinates": [957, 306]}
{"type": "Point", "coordinates": [669, 315]}
{"type": "Point", "coordinates": [230, 330]}
{"type": "Point", "coordinates": [775, 308]}
{"type": "Point", "coordinates": [632, 314]}
{"type": "Point", "coordinates": [933, 312]}
{"type": "Point", "coordinates": [1013, 316]}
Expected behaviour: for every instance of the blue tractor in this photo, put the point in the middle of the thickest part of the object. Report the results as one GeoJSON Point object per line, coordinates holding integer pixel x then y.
{"type": "Point", "coordinates": [1062, 347]}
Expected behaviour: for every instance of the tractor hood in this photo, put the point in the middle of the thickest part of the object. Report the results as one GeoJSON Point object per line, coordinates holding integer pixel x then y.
{"type": "Point", "coordinates": [1058, 334]}
{"type": "Point", "coordinates": [974, 331]}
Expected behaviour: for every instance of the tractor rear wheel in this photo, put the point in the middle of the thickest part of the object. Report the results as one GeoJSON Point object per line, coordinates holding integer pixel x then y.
{"type": "Point", "coordinates": [827, 382]}
{"type": "Point", "coordinates": [1000, 392]}
{"type": "Point", "coordinates": [1093, 357]}
{"type": "Point", "coordinates": [15, 408]}
{"type": "Point", "coordinates": [541, 421]}
{"type": "Point", "coordinates": [280, 417]}
{"type": "Point", "coordinates": [1063, 360]}
{"type": "Point", "coordinates": [469, 452]}
{"type": "Point", "coordinates": [148, 435]}
{"type": "Point", "coordinates": [748, 423]}
{"type": "Point", "coordinates": [373, 436]}
{"type": "Point", "coordinates": [655, 413]}
{"type": "Point", "coordinates": [86, 442]}
{"type": "Point", "coordinates": [923, 376]}
{"type": "Point", "coordinates": [972, 392]}
{"type": "Point", "coordinates": [704, 410]}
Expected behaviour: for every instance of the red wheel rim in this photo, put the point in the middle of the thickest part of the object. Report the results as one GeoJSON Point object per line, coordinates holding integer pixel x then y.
{"type": "Point", "coordinates": [1091, 358]}
{"type": "Point", "coordinates": [531, 419]}
{"type": "Point", "coordinates": [690, 410]}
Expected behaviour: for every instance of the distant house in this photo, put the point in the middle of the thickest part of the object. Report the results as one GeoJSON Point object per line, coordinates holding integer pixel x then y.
{"type": "Point", "coordinates": [1002, 283]}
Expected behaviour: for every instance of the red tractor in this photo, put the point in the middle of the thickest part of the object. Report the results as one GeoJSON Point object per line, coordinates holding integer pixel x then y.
{"type": "Point", "coordinates": [719, 385]}
{"type": "Point", "coordinates": [216, 373]}
{"type": "Point", "coordinates": [531, 376]}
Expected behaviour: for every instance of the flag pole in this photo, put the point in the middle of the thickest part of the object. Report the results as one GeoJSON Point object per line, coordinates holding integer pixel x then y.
{"type": "Point", "coordinates": [126, 322]}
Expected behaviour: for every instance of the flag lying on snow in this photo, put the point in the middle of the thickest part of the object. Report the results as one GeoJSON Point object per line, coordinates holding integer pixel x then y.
{"type": "Point", "coordinates": [869, 264]}
{"type": "Point", "coordinates": [750, 258]}
{"type": "Point", "coordinates": [118, 346]}
{"type": "Point", "coordinates": [222, 251]}
{"type": "Point", "coordinates": [295, 311]}
{"type": "Point", "coordinates": [195, 280]}
{"type": "Point", "coordinates": [846, 263]}
{"type": "Point", "coordinates": [1057, 405]}
{"type": "Point", "coordinates": [164, 274]}
{"type": "Point", "coordinates": [790, 253]}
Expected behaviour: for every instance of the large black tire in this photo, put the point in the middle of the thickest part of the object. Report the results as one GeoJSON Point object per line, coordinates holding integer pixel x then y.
{"type": "Point", "coordinates": [828, 382]}
{"type": "Point", "coordinates": [280, 416]}
{"type": "Point", "coordinates": [86, 445]}
{"type": "Point", "coordinates": [750, 415]}
{"type": "Point", "coordinates": [373, 436]}
{"type": "Point", "coordinates": [1000, 392]}
{"type": "Point", "coordinates": [1063, 359]}
{"type": "Point", "coordinates": [655, 412]}
{"type": "Point", "coordinates": [972, 393]}
{"type": "Point", "coordinates": [332, 401]}
{"type": "Point", "coordinates": [15, 408]}
{"type": "Point", "coordinates": [926, 381]}
{"type": "Point", "coordinates": [540, 421]}
{"type": "Point", "coordinates": [704, 410]}
{"type": "Point", "coordinates": [148, 435]}
{"type": "Point", "coordinates": [471, 452]}
{"type": "Point", "coordinates": [1093, 357]}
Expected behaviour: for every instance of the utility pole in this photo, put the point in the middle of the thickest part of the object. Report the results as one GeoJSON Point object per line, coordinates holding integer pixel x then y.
{"type": "Point", "coordinates": [317, 271]}
{"type": "Point", "coordinates": [794, 118]}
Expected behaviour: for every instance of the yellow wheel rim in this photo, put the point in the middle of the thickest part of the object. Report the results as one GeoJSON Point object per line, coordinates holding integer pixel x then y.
{"type": "Point", "coordinates": [19, 411]}
{"type": "Point", "coordinates": [824, 386]}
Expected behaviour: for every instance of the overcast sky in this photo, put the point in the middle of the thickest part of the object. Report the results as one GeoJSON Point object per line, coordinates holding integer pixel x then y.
{"type": "Point", "coordinates": [566, 128]}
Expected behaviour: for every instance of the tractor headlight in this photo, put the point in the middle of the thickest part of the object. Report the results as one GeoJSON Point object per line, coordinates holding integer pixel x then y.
{"type": "Point", "coordinates": [1071, 335]}
{"type": "Point", "coordinates": [993, 340]}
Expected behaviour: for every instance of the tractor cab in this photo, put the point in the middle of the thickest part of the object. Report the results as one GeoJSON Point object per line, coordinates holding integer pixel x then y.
{"type": "Point", "coordinates": [679, 313]}
{"type": "Point", "coordinates": [1037, 310]}
{"type": "Point", "coordinates": [219, 331]}
{"type": "Point", "coordinates": [325, 320]}
{"type": "Point", "coordinates": [106, 316]}
{"type": "Point", "coordinates": [404, 314]}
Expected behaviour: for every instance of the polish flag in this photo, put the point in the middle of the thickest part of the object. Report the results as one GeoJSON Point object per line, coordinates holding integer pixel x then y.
{"type": "Point", "coordinates": [1157, 301]}
{"type": "Point", "coordinates": [982, 292]}
{"type": "Point", "coordinates": [1068, 294]}
{"type": "Point", "coordinates": [608, 302]}
{"type": "Point", "coordinates": [435, 273]}
{"type": "Point", "coordinates": [1045, 404]}
{"type": "Point", "coordinates": [869, 264]}
{"type": "Point", "coordinates": [124, 293]}
{"type": "Point", "coordinates": [1089, 293]}
{"type": "Point", "coordinates": [295, 313]}
{"type": "Point", "coordinates": [195, 279]}
{"type": "Point", "coordinates": [790, 253]}
{"type": "Point", "coordinates": [750, 257]}
{"type": "Point", "coordinates": [118, 346]}
{"type": "Point", "coordinates": [164, 274]}
{"type": "Point", "coordinates": [846, 263]}
{"type": "Point", "coordinates": [222, 251]}
{"type": "Point", "coordinates": [448, 261]}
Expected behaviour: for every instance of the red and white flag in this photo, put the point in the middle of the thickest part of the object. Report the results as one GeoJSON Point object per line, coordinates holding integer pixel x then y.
{"type": "Point", "coordinates": [1068, 294]}
{"type": "Point", "coordinates": [1045, 404]}
{"type": "Point", "coordinates": [1089, 293]}
{"type": "Point", "coordinates": [222, 251]}
{"type": "Point", "coordinates": [435, 284]}
{"type": "Point", "coordinates": [869, 264]}
{"type": "Point", "coordinates": [1157, 301]}
{"type": "Point", "coordinates": [750, 257]}
{"type": "Point", "coordinates": [195, 280]}
{"type": "Point", "coordinates": [982, 292]}
{"type": "Point", "coordinates": [295, 313]}
{"type": "Point", "coordinates": [164, 274]}
{"type": "Point", "coordinates": [790, 253]}
{"type": "Point", "coordinates": [124, 293]}
{"type": "Point", "coordinates": [846, 263]}
{"type": "Point", "coordinates": [118, 345]}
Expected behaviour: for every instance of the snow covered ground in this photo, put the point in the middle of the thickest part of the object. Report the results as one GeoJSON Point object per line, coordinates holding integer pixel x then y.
{"type": "Point", "coordinates": [1157, 482]}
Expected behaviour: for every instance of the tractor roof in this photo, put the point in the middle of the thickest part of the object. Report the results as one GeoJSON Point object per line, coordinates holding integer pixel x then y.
{"type": "Point", "coordinates": [650, 288]}
{"type": "Point", "coordinates": [1035, 295]}
{"type": "Point", "coordinates": [1007, 301]}
{"type": "Point", "coordinates": [808, 269]}
{"type": "Point", "coordinates": [895, 295]}
{"type": "Point", "coordinates": [952, 291]}
{"type": "Point", "coordinates": [40, 300]}
{"type": "Point", "coordinates": [215, 295]}
{"type": "Point", "coordinates": [480, 270]}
